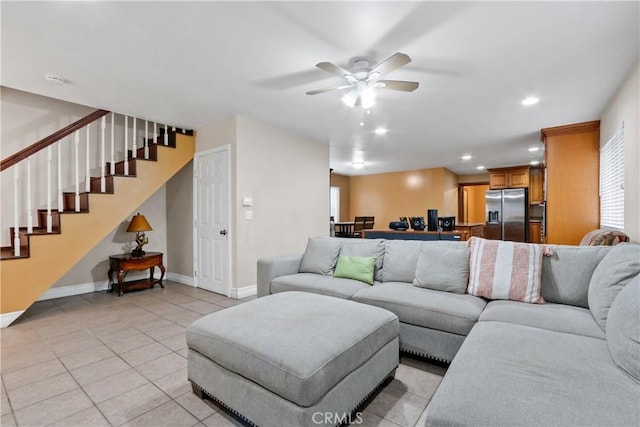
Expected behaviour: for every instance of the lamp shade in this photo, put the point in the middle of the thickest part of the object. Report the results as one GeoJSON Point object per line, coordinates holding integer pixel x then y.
{"type": "Point", "coordinates": [139, 223]}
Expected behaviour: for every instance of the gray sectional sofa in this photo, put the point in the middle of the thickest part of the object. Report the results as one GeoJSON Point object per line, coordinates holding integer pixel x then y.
{"type": "Point", "coordinates": [574, 360]}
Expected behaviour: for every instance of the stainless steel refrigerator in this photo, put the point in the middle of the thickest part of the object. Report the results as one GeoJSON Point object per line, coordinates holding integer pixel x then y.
{"type": "Point", "coordinates": [507, 215]}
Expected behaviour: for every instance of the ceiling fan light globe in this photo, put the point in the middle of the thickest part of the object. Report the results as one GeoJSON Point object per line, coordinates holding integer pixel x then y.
{"type": "Point", "coordinates": [350, 98]}
{"type": "Point", "coordinates": [379, 85]}
{"type": "Point", "coordinates": [368, 98]}
{"type": "Point", "coordinates": [373, 76]}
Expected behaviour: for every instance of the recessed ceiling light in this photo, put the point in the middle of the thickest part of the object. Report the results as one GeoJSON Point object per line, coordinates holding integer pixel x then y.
{"type": "Point", "coordinates": [54, 80]}
{"type": "Point", "coordinates": [380, 131]}
{"type": "Point", "coordinates": [480, 167]}
{"type": "Point", "coordinates": [534, 162]}
{"type": "Point", "coordinates": [466, 157]}
{"type": "Point", "coordinates": [357, 165]}
{"type": "Point", "coordinates": [532, 149]}
{"type": "Point", "coordinates": [530, 100]}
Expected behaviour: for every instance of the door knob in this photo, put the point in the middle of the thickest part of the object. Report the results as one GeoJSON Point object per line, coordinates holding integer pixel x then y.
{"type": "Point", "coordinates": [223, 232]}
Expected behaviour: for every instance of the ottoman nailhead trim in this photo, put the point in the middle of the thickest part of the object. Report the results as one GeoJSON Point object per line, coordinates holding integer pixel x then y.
{"type": "Point", "coordinates": [428, 356]}
{"type": "Point", "coordinates": [225, 406]}
{"type": "Point", "coordinates": [243, 418]}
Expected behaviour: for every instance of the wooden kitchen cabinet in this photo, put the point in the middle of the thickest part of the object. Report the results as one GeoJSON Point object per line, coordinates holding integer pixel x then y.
{"type": "Point", "coordinates": [513, 177]}
{"type": "Point", "coordinates": [572, 161]}
{"type": "Point", "coordinates": [535, 232]}
{"type": "Point", "coordinates": [536, 186]}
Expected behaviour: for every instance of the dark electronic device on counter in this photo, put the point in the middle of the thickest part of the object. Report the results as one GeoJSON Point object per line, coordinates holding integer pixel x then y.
{"type": "Point", "coordinates": [417, 223]}
{"type": "Point", "coordinates": [398, 225]}
{"type": "Point", "coordinates": [447, 223]}
{"type": "Point", "coordinates": [432, 219]}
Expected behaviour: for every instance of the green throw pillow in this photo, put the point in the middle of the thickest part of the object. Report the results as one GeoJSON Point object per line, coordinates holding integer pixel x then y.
{"type": "Point", "coordinates": [356, 267]}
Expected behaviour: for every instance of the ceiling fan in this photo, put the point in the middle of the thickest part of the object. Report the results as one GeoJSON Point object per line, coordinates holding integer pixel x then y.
{"type": "Point", "coordinates": [363, 79]}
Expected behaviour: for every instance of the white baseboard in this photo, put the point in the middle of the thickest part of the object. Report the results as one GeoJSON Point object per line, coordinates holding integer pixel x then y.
{"type": "Point", "coordinates": [67, 291]}
{"type": "Point", "coordinates": [181, 278]}
{"type": "Point", "coordinates": [7, 318]}
{"type": "Point", "coordinates": [83, 288]}
{"type": "Point", "coordinates": [247, 291]}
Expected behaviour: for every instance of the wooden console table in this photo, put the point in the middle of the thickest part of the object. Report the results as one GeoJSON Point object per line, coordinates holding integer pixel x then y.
{"type": "Point", "coordinates": [123, 263]}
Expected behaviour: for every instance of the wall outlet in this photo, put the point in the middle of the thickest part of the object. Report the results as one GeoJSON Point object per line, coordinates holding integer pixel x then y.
{"type": "Point", "coordinates": [248, 215]}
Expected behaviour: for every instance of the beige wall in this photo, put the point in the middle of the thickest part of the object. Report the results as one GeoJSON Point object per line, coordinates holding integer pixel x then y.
{"type": "Point", "coordinates": [624, 108]}
{"type": "Point", "coordinates": [179, 208]}
{"type": "Point", "coordinates": [388, 196]}
{"type": "Point", "coordinates": [287, 176]}
{"type": "Point", "coordinates": [342, 181]}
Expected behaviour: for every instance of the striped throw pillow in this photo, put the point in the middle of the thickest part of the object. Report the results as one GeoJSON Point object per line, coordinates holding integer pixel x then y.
{"type": "Point", "coordinates": [505, 270]}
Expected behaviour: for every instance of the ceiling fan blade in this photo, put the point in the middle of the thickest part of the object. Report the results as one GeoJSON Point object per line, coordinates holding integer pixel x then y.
{"type": "Point", "coordinates": [328, 89]}
{"type": "Point", "coordinates": [396, 60]}
{"type": "Point", "coordinates": [333, 69]}
{"type": "Point", "coordinates": [398, 85]}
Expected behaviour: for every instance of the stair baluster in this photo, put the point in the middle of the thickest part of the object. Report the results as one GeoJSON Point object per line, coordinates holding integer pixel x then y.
{"type": "Point", "coordinates": [155, 134]}
{"type": "Point", "coordinates": [77, 168]}
{"type": "Point", "coordinates": [112, 170]}
{"type": "Point", "coordinates": [126, 145]}
{"type": "Point", "coordinates": [135, 138]}
{"type": "Point", "coordinates": [16, 219]}
{"type": "Point", "coordinates": [60, 202]}
{"type": "Point", "coordinates": [166, 134]}
{"type": "Point", "coordinates": [29, 213]}
{"type": "Point", "coordinates": [49, 218]}
{"type": "Point", "coordinates": [103, 181]}
{"type": "Point", "coordinates": [87, 176]}
{"type": "Point", "coordinates": [146, 140]}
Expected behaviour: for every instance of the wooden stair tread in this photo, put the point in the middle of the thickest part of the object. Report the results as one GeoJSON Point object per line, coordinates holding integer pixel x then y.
{"type": "Point", "coordinates": [6, 252]}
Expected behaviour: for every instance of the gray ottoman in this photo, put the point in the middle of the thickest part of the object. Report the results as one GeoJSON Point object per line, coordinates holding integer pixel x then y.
{"type": "Point", "coordinates": [293, 358]}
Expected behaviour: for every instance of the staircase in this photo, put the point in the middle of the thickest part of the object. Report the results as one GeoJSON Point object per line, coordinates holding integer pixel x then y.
{"type": "Point", "coordinates": [58, 237]}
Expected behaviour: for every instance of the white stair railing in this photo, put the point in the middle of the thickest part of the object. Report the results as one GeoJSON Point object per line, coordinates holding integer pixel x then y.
{"type": "Point", "coordinates": [65, 177]}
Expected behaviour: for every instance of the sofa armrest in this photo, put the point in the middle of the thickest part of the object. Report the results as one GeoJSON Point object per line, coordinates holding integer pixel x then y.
{"type": "Point", "coordinates": [272, 267]}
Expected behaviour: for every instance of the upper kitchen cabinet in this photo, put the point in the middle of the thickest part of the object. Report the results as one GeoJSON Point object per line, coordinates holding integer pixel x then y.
{"type": "Point", "coordinates": [513, 177]}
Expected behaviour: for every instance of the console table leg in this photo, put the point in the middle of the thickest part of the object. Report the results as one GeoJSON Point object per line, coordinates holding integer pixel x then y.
{"type": "Point", "coordinates": [162, 269]}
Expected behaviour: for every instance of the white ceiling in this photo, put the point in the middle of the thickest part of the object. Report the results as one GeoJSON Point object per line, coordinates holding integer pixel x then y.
{"type": "Point", "coordinates": [193, 63]}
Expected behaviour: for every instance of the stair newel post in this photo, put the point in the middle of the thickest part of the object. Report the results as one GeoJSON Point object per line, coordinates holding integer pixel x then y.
{"type": "Point", "coordinates": [135, 139]}
{"type": "Point", "coordinates": [103, 181]}
{"type": "Point", "coordinates": [166, 135]}
{"type": "Point", "coordinates": [16, 212]}
{"type": "Point", "coordinates": [29, 213]}
{"type": "Point", "coordinates": [60, 200]}
{"type": "Point", "coordinates": [146, 139]}
{"type": "Point", "coordinates": [126, 145]}
{"type": "Point", "coordinates": [112, 164]}
{"type": "Point", "coordinates": [76, 156]}
{"type": "Point", "coordinates": [49, 219]}
{"type": "Point", "coordinates": [87, 177]}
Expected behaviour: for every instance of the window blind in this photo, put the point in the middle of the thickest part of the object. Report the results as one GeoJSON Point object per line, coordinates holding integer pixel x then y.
{"type": "Point", "coordinates": [612, 182]}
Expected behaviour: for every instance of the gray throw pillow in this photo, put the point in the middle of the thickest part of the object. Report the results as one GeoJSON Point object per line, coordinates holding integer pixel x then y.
{"type": "Point", "coordinates": [443, 267]}
{"type": "Point", "coordinates": [365, 248]}
{"type": "Point", "coordinates": [616, 269]}
{"type": "Point", "coordinates": [321, 255]}
{"type": "Point", "coordinates": [623, 329]}
{"type": "Point", "coordinates": [400, 260]}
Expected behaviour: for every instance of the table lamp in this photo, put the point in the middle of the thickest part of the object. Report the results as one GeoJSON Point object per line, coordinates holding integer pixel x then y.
{"type": "Point", "coordinates": [139, 224]}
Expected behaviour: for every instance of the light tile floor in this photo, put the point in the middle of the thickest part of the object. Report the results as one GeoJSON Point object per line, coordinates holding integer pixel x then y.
{"type": "Point", "coordinates": [102, 360]}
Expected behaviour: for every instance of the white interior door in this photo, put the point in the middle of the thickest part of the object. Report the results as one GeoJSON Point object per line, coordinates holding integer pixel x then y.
{"type": "Point", "coordinates": [212, 253]}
